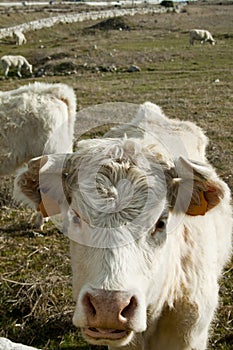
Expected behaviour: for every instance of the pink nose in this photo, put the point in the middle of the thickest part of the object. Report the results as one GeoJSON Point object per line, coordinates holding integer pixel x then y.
{"type": "Point", "coordinates": [109, 309]}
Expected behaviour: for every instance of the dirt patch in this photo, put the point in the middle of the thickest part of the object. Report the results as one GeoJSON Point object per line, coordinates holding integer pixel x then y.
{"type": "Point", "coordinates": [116, 23]}
{"type": "Point", "coordinates": [58, 67]}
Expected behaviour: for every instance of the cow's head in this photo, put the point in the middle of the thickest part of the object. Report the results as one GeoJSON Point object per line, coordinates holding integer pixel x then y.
{"type": "Point", "coordinates": [118, 202]}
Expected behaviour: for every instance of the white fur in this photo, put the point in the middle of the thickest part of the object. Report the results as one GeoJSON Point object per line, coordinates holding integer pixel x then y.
{"type": "Point", "coordinates": [35, 119]}
{"type": "Point", "coordinates": [200, 35]}
{"type": "Point", "coordinates": [18, 61]}
{"type": "Point", "coordinates": [173, 136]}
{"type": "Point", "coordinates": [19, 37]}
{"type": "Point", "coordinates": [117, 191]}
{"type": "Point", "coordinates": [7, 344]}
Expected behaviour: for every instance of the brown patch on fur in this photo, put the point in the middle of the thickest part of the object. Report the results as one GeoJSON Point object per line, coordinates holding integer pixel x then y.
{"type": "Point", "coordinates": [29, 185]}
{"type": "Point", "coordinates": [198, 208]}
{"type": "Point", "coordinates": [185, 234]}
{"type": "Point", "coordinates": [175, 325]}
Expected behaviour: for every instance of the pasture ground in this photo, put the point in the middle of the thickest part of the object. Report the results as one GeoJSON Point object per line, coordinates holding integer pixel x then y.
{"type": "Point", "coordinates": [190, 83]}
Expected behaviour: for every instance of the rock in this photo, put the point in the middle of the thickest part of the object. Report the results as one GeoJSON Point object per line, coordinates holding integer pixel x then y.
{"type": "Point", "coordinates": [6, 344]}
{"type": "Point", "coordinates": [134, 68]}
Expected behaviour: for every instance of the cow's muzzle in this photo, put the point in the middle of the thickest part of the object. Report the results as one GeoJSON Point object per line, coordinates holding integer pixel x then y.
{"type": "Point", "coordinates": [110, 316]}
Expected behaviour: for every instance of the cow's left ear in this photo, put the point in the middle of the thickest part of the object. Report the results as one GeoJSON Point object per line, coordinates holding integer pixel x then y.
{"type": "Point", "coordinates": [41, 185]}
{"type": "Point", "coordinates": [196, 188]}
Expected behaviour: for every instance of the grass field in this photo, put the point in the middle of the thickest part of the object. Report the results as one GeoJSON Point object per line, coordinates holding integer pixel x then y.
{"type": "Point", "coordinates": [190, 83]}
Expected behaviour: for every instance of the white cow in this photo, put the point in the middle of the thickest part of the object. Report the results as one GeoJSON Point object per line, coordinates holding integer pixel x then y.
{"type": "Point", "coordinates": [202, 35]}
{"type": "Point", "coordinates": [18, 61]}
{"type": "Point", "coordinates": [150, 232]}
{"type": "Point", "coordinates": [19, 37]}
{"type": "Point", "coordinates": [35, 119]}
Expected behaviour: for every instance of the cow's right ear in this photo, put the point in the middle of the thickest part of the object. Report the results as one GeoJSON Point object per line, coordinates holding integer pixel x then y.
{"type": "Point", "coordinates": [195, 189]}
{"type": "Point", "coordinates": [40, 185]}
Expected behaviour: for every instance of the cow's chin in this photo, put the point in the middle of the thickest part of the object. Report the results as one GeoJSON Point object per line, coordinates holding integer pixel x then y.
{"type": "Point", "coordinates": [104, 336]}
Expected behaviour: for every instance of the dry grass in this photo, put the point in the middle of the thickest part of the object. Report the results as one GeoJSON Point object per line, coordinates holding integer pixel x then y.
{"type": "Point", "coordinates": [35, 289]}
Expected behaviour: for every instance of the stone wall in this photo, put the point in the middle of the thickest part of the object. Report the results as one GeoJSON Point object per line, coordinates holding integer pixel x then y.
{"type": "Point", "coordinates": [78, 17]}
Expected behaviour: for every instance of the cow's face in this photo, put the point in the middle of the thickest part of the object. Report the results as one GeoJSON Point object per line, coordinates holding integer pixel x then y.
{"type": "Point", "coordinates": [116, 200]}
{"type": "Point", "coordinates": [117, 220]}
{"type": "Point", "coordinates": [114, 287]}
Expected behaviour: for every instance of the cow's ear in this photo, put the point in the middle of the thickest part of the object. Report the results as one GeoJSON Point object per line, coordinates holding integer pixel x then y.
{"type": "Point", "coordinates": [196, 188]}
{"type": "Point", "coordinates": [41, 184]}
{"type": "Point", "coordinates": [26, 183]}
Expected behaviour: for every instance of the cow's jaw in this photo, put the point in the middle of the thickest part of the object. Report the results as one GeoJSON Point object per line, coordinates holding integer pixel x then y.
{"type": "Point", "coordinates": [107, 336]}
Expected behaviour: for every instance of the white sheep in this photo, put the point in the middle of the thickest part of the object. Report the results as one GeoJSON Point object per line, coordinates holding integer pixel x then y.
{"type": "Point", "coordinates": [35, 119]}
{"type": "Point", "coordinates": [19, 37]}
{"type": "Point", "coordinates": [18, 61]}
{"type": "Point", "coordinates": [201, 35]}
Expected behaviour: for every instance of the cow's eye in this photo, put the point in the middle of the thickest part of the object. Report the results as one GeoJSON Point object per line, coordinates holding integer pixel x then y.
{"type": "Point", "coordinates": [160, 225]}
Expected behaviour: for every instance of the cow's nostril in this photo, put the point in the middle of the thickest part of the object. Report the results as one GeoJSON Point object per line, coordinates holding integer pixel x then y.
{"type": "Point", "coordinates": [89, 305]}
{"type": "Point", "coordinates": [129, 309]}
{"type": "Point", "coordinates": [105, 309]}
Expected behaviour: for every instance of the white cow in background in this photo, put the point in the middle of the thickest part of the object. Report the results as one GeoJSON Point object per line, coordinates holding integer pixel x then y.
{"type": "Point", "coordinates": [201, 35]}
{"type": "Point", "coordinates": [19, 37]}
{"type": "Point", "coordinates": [35, 119]}
{"type": "Point", "coordinates": [150, 226]}
{"type": "Point", "coordinates": [18, 61]}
